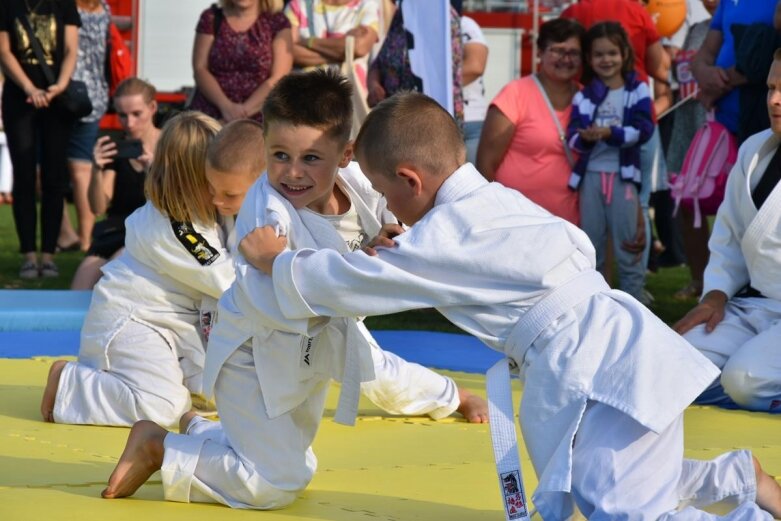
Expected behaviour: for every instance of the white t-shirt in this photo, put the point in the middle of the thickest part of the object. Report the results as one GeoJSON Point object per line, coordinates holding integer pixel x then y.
{"type": "Point", "coordinates": [475, 104]}
{"type": "Point", "coordinates": [604, 158]}
{"type": "Point", "coordinates": [349, 227]}
{"type": "Point", "coordinates": [334, 21]}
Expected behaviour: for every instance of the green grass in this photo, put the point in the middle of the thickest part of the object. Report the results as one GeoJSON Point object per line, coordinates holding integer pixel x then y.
{"type": "Point", "coordinates": [661, 285]}
{"type": "Point", "coordinates": [10, 259]}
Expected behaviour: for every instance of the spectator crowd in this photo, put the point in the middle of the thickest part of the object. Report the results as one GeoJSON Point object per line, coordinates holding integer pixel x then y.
{"type": "Point", "coordinates": [587, 160]}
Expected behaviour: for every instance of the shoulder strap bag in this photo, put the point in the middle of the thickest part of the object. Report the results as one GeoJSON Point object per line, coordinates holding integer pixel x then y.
{"type": "Point", "coordinates": [74, 100]}
{"type": "Point", "coordinates": [562, 135]}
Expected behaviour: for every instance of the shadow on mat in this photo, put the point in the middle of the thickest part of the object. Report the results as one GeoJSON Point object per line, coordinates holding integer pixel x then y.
{"type": "Point", "coordinates": [21, 401]}
{"type": "Point", "coordinates": [40, 472]}
{"type": "Point", "coordinates": [86, 479]}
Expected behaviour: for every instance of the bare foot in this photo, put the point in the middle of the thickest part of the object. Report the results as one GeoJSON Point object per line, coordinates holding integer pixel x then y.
{"type": "Point", "coordinates": [143, 455]}
{"type": "Point", "coordinates": [50, 392]}
{"type": "Point", "coordinates": [185, 420]}
{"type": "Point", "coordinates": [768, 491]}
{"type": "Point", "coordinates": [472, 407]}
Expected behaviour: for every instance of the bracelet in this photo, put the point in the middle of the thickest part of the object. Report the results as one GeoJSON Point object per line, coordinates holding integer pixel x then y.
{"type": "Point", "coordinates": [309, 42]}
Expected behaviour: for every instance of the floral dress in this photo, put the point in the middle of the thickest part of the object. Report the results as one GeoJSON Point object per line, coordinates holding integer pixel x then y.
{"type": "Point", "coordinates": [91, 61]}
{"type": "Point", "coordinates": [239, 61]}
{"type": "Point", "coordinates": [394, 66]}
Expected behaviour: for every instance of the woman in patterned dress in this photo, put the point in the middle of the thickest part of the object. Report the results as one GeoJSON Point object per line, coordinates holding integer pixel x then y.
{"type": "Point", "coordinates": [242, 48]}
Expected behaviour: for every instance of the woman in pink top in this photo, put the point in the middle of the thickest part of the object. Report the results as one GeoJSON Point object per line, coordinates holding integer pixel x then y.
{"type": "Point", "coordinates": [521, 145]}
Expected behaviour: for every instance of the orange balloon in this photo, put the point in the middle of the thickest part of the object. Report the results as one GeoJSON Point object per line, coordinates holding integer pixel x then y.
{"type": "Point", "coordinates": [668, 15]}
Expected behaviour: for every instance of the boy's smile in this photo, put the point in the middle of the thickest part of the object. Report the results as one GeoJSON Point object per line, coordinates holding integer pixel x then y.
{"type": "Point", "coordinates": [302, 163]}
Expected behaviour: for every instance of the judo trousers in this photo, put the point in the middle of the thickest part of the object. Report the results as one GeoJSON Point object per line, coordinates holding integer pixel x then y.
{"type": "Point", "coordinates": [621, 470]}
{"type": "Point", "coordinates": [144, 382]}
{"type": "Point", "coordinates": [744, 346]}
{"type": "Point", "coordinates": [249, 460]}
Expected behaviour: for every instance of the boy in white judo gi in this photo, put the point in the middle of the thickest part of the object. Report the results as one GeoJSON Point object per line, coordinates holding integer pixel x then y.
{"type": "Point", "coordinates": [605, 381]}
{"type": "Point", "coordinates": [271, 375]}
{"type": "Point", "coordinates": [142, 352]}
{"type": "Point", "coordinates": [737, 323]}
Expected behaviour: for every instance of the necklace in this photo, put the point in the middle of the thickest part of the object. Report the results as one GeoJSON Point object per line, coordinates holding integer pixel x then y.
{"type": "Point", "coordinates": [34, 8]}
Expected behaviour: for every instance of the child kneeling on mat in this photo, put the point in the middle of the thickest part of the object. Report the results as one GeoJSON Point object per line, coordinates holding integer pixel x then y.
{"type": "Point", "coordinates": [605, 381]}
{"type": "Point", "coordinates": [270, 375]}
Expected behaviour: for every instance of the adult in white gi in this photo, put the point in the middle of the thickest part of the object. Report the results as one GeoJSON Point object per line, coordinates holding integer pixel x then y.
{"type": "Point", "coordinates": [270, 375]}
{"type": "Point", "coordinates": [605, 381]}
{"type": "Point", "coordinates": [737, 324]}
{"type": "Point", "coordinates": [142, 349]}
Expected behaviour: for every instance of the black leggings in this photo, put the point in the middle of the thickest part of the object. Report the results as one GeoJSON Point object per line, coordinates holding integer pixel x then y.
{"type": "Point", "coordinates": [35, 134]}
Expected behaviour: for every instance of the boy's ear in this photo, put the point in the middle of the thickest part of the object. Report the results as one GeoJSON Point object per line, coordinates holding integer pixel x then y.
{"type": "Point", "coordinates": [347, 154]}
{"type": "Point", "coordinates": [411, 178]}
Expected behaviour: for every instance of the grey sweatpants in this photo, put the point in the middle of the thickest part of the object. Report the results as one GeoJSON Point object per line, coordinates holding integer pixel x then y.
{"type": "Point", "coordinates": [609, 204]}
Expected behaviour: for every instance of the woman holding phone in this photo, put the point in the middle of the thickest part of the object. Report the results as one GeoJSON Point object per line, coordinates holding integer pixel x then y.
{"type": "Point", "coordinates": [117, 179]}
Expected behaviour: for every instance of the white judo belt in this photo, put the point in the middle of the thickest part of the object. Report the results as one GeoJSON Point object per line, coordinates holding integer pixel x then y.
{"type": "Point", "coordinates": [350, 393]}
{"type": "Point", "coordinates": [498, 387]}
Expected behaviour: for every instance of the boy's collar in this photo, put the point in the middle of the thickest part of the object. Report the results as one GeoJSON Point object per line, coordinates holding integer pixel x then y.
{"type": "Point", "coordinates": [460, 183]}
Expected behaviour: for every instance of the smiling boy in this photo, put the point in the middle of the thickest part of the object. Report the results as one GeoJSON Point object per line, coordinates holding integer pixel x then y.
{"type": "Point", "coordinates": [605, 381]}
{"type": "Point", "coordinates": [270, 375]}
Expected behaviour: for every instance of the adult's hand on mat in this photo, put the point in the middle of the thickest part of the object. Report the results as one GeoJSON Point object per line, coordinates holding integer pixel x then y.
{"type": "Point", "coordinates": [384, 239]}
{"type": "Point", "coordinates": [261, 246]}
{"type": "Point", "coordinates": [710, 311]}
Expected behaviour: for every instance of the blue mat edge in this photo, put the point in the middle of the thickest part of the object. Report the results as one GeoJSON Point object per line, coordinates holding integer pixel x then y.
{"type": "Point", "coordinates": [449, 351]}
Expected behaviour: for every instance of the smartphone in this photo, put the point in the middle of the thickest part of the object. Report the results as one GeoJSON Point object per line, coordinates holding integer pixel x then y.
{"type": "Point", "coordinates": [129, 148]}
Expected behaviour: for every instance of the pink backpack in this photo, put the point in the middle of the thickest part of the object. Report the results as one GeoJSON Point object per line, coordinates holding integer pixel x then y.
{"type": "Point", "coordinates": [703, 177]}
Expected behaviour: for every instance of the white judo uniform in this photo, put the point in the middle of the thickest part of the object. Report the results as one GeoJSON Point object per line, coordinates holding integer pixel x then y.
{"type": "Point", "coordinates": [142, 348]}
{"type": "Point", "coordinates": [594, 361]}
{"type": "Point", "coordinates": [744, 249]}
{"type": "Point", "coordinates": [270, 375]}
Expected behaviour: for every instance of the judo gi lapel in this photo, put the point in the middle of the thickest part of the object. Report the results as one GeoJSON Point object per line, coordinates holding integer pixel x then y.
{"type": "Point", "coordinates": [762, 241]}
{"type": "Point", "coordinates": [309, 230]}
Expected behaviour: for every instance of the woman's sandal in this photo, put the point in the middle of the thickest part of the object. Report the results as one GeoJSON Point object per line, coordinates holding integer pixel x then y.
{"type": "Point", "coordinates": [49, 270]}
{"type": "Point", "coordinates": [29, 270]}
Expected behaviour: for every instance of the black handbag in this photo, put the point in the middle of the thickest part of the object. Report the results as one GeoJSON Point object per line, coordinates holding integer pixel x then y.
{"type": "Point", "coordinates": [74, 100]}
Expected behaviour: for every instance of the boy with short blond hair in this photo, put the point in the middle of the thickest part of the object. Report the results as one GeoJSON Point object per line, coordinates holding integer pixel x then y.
{"type": "Point", "coordinates": [606, 382]}
{"type": "Point", "coordinates": [228, 151]}
{"type": "Point", "coordinates": [270, 375]}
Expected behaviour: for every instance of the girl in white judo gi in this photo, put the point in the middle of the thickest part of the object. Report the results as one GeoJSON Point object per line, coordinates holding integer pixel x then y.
{"type": "Point", "coordinates": [141, 351]}
{"type": "Point", "coordinates": [270, 375]}
{"type": "Point", "coordinates": [737, 324]}
{"type": "Point", "coordinates": [164, 288]}
{"type": "Point", "coordinates": [605, 381]}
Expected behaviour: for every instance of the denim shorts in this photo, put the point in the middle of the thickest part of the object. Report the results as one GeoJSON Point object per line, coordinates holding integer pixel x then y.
{"type": "Point", "coordinates": [82, 140]}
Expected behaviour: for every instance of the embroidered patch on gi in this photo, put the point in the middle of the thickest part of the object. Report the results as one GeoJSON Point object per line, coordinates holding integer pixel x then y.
{"type": "Point", "coordinates": [514, 502]}
{"type": "Point", "coordinates": [195, 243]}
{"type": "Point", "coordinates": [306, 351]}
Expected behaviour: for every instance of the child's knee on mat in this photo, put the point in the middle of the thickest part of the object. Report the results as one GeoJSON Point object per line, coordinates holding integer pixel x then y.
{"type": "Point", "coordinates": [269, 497]}
{"type": "Point", "coordinates": [744, 387]}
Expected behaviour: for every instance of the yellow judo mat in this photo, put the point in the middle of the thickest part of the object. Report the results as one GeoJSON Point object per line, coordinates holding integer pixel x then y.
{"type": "Point", "coordinates": [384, 468]}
